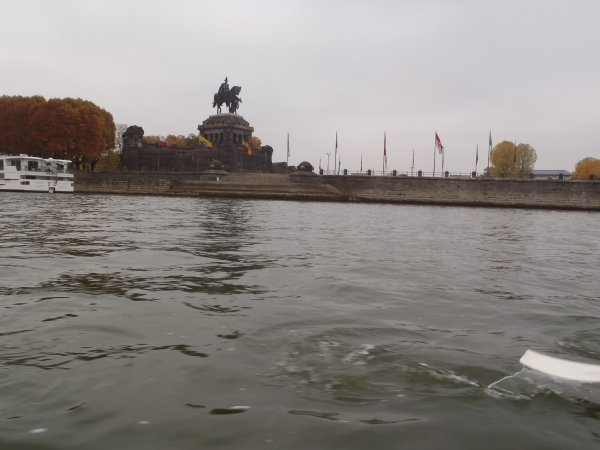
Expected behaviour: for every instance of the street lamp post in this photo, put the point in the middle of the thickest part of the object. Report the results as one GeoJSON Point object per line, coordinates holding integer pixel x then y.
{"type": "Point", "coordinates": [328, 162]}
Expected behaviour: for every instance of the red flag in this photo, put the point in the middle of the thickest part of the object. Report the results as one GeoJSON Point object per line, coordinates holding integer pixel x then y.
{"type": "Point", "coordinates": [384, 150]}
{"type": "Point", "coordinates": [163, 142]}
{"type": "Point", "coordinates": [438, 144]}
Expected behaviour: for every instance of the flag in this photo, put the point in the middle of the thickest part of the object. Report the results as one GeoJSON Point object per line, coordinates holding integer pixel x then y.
{"type": "Point", "coordinates": [248, 149]}
{"type": "Point", "coordinates": [163, 142]}
{"type": "Point", "coordinates": [490, 139]}
{"type": "Point", "coordinates": [384, 152]}
{"type": "Point", "coordinates": [438, 144]}
{"type": "Point", "coordinates": [288, 145]}
{"type": "Point", "coordinates": [206, 141]}
{"type": "Point", "coordinates": [477, 155]}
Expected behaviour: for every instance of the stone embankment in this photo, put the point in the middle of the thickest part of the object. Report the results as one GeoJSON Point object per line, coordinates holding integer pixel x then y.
{"type": "Point", "coordinates": [550, 194]}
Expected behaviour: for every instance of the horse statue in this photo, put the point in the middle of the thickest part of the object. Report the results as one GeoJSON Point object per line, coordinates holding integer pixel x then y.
{"type": "Point", "coordinates": [229, 97]}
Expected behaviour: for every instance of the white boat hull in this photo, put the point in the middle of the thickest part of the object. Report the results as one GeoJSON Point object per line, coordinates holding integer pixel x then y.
{"type": "Point", "coordinates": [560, 368]}
{"type": "Point", "coordinates": [31, 174]}
{"type": "Point", "coordinates": [37, 186]}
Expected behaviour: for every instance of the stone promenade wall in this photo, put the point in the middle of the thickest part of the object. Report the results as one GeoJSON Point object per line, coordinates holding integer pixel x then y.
{"type": "Point", "coordinates": [555, 194]}
{"type": "Point", "coordinates": [125, 183]}
{"type": "Point", "coordinates": [551, 194]}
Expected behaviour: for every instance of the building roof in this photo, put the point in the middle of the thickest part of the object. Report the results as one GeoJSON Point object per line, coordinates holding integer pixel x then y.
{"type": "Point", "coordinates": [551, 172]}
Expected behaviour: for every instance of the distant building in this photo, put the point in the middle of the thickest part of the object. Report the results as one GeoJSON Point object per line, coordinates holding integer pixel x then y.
{"type": "Point", "coordinates": [551, 174]}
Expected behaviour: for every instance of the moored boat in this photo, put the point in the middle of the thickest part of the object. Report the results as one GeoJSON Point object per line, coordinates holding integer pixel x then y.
{"type": "Point", "coordinates": [31, 174]}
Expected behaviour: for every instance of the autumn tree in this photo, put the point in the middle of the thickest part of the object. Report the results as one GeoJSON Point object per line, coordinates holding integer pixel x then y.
{"type": "Point", "coordinates": [512, 162]}
{"type": "Point", "coordinates": [192, 140]}
{"type": "Point", "coordinates": [111, 159]}
{"type": "Point", "coordinates": [151, 139]}
{"type": "Point", "coordinates": [585, 168]}
{"type": "Point", "coordinates": [176, 141]}
{"type": "Point", "coordinates": [108, 138]}
{"type": "Point", "coordinates": [73, 129]}
{"type": "Point", "coordinates": [255, 143]}
{"type": "Point", "coordinates": [15, 127]}
{"type": "Point", "coordinates": [66, 128]}
{"type": "Point", "coordinates": [56, 124]}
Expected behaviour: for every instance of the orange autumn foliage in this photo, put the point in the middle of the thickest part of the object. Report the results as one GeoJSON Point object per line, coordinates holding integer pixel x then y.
{"type": "Point", "coordinates": [174, 141]}
{"type": "Point", "coordinates": [585, 168]}
{"type": "Point", "coordinates": [66, 128]}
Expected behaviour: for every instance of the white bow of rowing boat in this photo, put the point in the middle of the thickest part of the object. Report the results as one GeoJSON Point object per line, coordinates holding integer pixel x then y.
{"type": "Point", "coordinates": [561, 368]}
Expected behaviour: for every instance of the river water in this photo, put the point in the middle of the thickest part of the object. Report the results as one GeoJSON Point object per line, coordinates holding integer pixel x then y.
{"type": "Point", "coordinates": [149, 322]}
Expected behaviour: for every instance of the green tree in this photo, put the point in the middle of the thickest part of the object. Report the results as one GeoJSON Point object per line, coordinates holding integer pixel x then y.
{"type": "Point", "coordinates": [512, 162]}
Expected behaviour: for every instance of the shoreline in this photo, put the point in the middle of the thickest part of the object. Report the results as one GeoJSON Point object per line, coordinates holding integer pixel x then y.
{"type": "Point", "coordinates": [579, 195]}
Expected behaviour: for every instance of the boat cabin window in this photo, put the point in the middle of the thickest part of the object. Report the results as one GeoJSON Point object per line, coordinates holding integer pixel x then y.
{"type": "Point", "coordinates": [16, 164]}
{"type": "Point", "coordinates": [1, 164]}
{"type": "Point", "coordinates": [32, 166]}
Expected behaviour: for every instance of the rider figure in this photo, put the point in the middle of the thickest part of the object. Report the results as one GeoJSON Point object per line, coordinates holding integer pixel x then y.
{"type": "Point", "coordinates": [224, 87]}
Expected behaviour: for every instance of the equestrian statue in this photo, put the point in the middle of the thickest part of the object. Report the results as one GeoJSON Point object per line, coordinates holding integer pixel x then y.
{"type": "Point", "coordinates": [227, 96]}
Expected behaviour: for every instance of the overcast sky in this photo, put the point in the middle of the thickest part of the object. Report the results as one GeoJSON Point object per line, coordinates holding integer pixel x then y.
{"type": "Point", "coordinates": [529, 71]}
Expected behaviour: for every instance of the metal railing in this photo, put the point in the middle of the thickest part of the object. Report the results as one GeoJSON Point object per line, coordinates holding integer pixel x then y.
{"type": "Point", "coordinates": [413, 173]}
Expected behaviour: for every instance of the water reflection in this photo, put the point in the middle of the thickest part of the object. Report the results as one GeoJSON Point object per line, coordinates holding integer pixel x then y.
{"type": "Point", "coordinates": [338, 324]}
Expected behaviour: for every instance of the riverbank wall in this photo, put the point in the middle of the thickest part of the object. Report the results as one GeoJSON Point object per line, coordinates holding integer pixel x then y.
{"type": "Point", "coordinates": [546, 194]}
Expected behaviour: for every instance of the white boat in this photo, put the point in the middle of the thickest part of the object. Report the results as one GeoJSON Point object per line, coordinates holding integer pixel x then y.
{"type": "Point", "coordinates": [561, 368]}
{"type": "Point", "coordinates": [30, 174]}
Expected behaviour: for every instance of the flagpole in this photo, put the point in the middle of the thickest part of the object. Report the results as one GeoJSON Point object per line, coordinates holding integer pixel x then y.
{"type": "Point", "coordinates": [515, 160]}
{"type": "Point", "coordinates": [335, 155]}
{"type": "Point", "coordinates": [287, 159]}
{"type": "Point", "coordinates": [443, 154]}
{"type": "Point", "coordinates": [489, 149]}
{"type": "Point", "coordinates": [413, 164]}
{"type": "Point", "coordinates": [434, 145]}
